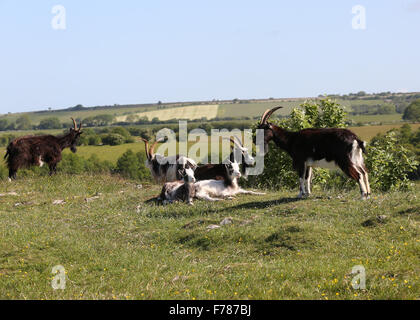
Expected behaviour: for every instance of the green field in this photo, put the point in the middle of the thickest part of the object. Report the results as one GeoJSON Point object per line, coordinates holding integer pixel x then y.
{"type": "Point", "coordinates": [114, 244]}
{"type": "Point", "coordinates": [189, 112]}
{"type": "Point", "coordinates": [210, 110]}
{"type": "Point", "coordinates": [255, 109]}
{"type": "Point", "coordinates": [380, 118]}
{"type": "Point", "coordinates": [64, 115]}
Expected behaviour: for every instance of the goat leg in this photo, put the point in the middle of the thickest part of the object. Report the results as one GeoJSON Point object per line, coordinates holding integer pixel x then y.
{"type": "Point", "coordinates": [242, 191]}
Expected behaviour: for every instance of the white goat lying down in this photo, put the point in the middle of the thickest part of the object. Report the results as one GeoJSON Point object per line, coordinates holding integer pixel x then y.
{"type": "Point", "coordinates": [210, 190]}
{"type": "Point", "coordinates": [214, 190]}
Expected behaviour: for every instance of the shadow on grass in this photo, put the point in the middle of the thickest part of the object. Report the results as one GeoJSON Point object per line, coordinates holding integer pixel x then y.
{"type": "Point", "coordinates": [264, 204]}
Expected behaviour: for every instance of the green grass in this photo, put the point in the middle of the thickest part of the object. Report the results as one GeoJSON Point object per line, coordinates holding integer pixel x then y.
{"type": "Point", "coordinates": [380, 118]}
{"type": "Point", "coordinates": [121, 247]}
{"type": "Point", "coordinates": [368, 132]}
{"type": "Point", "coordinates": [254, 108]}
{"type": "Point", "coordinates": [187, 112]}
{"type": "Point", "coordinates": [65, 115]}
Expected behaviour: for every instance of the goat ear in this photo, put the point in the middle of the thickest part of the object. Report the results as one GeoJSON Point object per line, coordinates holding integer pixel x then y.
{"type": "Point", "coordinates": [181, 173]}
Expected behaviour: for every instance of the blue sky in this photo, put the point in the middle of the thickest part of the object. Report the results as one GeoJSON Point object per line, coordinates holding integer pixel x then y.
{"type": "Point", "coordinates": [144, 51]}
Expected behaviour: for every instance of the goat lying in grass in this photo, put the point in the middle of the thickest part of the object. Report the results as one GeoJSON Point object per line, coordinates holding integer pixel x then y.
{"type": "Point", "coordinates": [213, 190]}
{"type": "Point", "coordinates": [179, 190]}
{"type": "Point", "coordinates": [210, 190]}
{"type": "Point", "coordinates": [166, 169]}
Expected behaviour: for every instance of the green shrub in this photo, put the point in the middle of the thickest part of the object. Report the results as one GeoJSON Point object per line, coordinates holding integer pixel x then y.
{"type": "Point", "coordinates": [95, 165]}
{"type": "Point", "coordinates": [94, 140]}
{"type": "Point", "coordinates": [50, 123]}
{"type": "Point", "coordinates": [72, 164]}
{"type": "Point", "coordinates": [131, 165]}
{"type": "Point", "coordinates": [389, 163]}
{"type": "Point", "coordinates": [113, 139]}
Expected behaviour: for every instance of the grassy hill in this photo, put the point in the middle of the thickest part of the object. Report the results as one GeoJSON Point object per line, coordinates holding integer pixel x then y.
{"type": "Point", "coordinates": [114, 244]}
{"type": "Point", "coordinates": [211, 109]}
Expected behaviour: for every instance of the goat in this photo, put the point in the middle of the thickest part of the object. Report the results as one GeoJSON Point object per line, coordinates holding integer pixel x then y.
{"type": "Point", "coordinates": [213, 190]}
{"type": "Point", "coordinates": [218, 171]}
{"type": "Point", "coordinates": [325, 148]}
{"type": "Point", "coordinates": [179, 190]}
{"type": "Point", "coordinates": [166, 169]}
{"type": "Point", "coordinates": [30, 151]}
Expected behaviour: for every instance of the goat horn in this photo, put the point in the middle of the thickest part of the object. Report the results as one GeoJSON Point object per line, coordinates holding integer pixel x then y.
{"type": "Point", "coordinates": [80, 125]}
{"type": "Point", "coordinates": [267, 114]}
{"type": "Point", "coordinates": [236, 142]}
{"type": "Point", "coordinates": [74, 124]}
{"type": "Point", "coordinates": [146, 145]}
{"type": "Point", "coordinates": [264, 116]}
{"type": "Point", "coordinates": [152, 148]}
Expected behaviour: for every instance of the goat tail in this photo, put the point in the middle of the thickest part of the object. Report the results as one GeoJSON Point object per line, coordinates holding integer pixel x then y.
{"type": "Point", "coordinates": [362, 145]}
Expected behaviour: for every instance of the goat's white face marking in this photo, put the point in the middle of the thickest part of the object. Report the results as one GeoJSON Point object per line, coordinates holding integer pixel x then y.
{"type": "Point", "coordinates": [234, 170]}
{"type": "Point", "coordinates": [248, 158]}
{"type": "Point", "coordinates": [189, 173]}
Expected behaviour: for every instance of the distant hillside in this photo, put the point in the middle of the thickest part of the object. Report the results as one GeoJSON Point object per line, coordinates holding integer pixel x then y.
{"type": "Point", "coordinates": [358, 104]}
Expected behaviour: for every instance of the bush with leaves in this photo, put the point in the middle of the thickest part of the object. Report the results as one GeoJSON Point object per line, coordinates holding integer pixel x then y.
{"type": "Point", "coordinates": [113, 139]}
{"type": "Point", "coordinates": [389, 163]}
{"type": "Point", "coordinates": [132, 165]}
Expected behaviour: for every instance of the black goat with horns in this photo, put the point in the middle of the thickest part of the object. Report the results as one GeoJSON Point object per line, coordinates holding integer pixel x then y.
{"type": "Point", "coordinates": [30, 151]}
{"type": "Point", "coordinates": [325, 148]}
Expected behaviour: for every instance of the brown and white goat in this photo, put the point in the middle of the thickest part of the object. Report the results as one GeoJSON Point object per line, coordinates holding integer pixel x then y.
{"type": "Point", "coordinates": [325, 148]}
{"type": "Point", "coordinates": [166, 169]}
{"type": "Point", "coordinates": [218, 171]}
{"type": "Point", "coordinates": [30, 151]}
{"type": "Point", "coordinates": [179, 190]}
